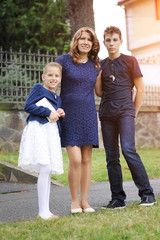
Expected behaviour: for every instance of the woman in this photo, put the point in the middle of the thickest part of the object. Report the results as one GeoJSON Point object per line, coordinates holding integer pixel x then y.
{"type": "Point", "coordinates": [79, 128]}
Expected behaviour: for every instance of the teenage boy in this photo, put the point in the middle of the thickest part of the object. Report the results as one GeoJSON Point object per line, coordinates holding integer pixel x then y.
{"type": "Point", "coordinates": [120, 73]}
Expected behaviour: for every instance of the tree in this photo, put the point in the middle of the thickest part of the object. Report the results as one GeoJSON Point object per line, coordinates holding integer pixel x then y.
{"type": "Point", "coordinates": [80, 13]}
{"type": "Point", "coordinates": [42, 24]}
{"type": "Point", "coordinates": [34, 24]}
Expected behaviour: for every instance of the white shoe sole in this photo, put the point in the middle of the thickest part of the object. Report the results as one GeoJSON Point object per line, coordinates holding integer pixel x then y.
{"type": "Point", "coordinates": [147, 204]}
{"type": "Point", "coordinates": [113, 208]}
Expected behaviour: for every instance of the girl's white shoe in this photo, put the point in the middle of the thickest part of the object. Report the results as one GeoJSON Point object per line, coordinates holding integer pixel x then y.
{"type": "Point", "coordinates": [49, 218]}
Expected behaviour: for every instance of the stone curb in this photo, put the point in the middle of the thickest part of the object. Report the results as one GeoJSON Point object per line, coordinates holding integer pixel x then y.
{"type": "Point", "coordinates": [12, 173]}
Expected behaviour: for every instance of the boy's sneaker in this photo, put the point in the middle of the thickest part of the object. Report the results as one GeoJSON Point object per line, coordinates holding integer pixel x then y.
{"type": "Point", "coordinates": [115, 204]}
{"type": "Point", "coordinates": [147, 201]}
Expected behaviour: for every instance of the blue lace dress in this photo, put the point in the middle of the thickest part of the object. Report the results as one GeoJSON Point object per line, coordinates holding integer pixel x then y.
{"type": "Point", "coordinates": [79, 127]}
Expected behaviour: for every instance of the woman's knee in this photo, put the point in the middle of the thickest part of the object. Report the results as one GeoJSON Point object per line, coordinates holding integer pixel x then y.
{"type": "Point", "coordinates": [87, 160]}
{"type": "Point", "coordinates": [86, 154]}
{"type": "Point", "coordinates": [75, 157]}
{"type": "Point", "coordinates": [75, 163]}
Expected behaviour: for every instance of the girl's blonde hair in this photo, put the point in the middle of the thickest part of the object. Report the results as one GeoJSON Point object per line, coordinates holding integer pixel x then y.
{"type": "Point", "coordinates": [52, 64]}
{"type": "Point", "coordinates": [93, 54]}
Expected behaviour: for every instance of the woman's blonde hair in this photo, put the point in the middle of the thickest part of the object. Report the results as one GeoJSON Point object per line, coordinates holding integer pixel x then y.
{"type": "Point", "coordinates": [93, 54]}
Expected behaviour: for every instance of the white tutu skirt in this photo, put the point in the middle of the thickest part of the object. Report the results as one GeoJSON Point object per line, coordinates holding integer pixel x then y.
{"type": "Point", "coordinates": [40, 145]}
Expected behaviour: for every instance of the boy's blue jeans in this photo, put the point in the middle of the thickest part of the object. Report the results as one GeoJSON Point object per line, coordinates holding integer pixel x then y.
{"type": "Point", "coordinates": [124, 127]}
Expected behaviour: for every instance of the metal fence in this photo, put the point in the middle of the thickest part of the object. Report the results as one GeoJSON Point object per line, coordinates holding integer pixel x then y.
{"type": "Point", "coordinates": [19, 71]}
{"type": "Point", "coordinates": [152, 96]}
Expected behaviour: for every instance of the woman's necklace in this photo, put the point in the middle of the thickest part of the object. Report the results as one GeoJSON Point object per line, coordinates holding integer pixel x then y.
{"type": "Point", "coordinates": [84, 60]}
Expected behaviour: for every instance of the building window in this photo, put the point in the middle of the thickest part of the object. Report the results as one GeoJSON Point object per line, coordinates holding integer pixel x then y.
{"type": "Point", "coordinates": [157, 9]}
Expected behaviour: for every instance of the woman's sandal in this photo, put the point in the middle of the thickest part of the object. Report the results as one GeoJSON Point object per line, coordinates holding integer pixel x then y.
{"type": "Point", "coordinates": [76, 210]}
{"type": "Point", "coordinates": [88, 210]}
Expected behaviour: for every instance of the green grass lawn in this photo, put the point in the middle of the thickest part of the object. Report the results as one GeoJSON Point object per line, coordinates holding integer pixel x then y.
{"type": "Point", "coordinates": [150, 158]}
{"type": "Point", "coordinates": [132, 223]}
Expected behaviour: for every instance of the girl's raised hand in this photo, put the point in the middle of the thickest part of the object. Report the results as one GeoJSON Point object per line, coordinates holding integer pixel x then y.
{"type": "Point", "coordinates": [61, 112]}
{"type": "Point", "coordinates": [54, 116]}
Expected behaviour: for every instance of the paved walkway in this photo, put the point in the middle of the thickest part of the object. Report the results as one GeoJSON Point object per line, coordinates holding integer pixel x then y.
{"type": "Point", "coordinates": [19, 201]}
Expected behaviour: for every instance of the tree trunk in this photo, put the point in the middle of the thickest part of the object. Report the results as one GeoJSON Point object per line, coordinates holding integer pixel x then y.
{"type": "Point", "coordinates": [80, 14]}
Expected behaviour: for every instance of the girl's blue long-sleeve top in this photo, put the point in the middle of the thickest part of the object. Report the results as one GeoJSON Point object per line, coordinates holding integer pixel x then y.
{"type": "Point", "coordinates": [39, 113]}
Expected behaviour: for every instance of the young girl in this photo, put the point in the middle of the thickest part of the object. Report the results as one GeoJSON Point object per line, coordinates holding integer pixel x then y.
{"type": "Point", "coordinates": [40, 148]}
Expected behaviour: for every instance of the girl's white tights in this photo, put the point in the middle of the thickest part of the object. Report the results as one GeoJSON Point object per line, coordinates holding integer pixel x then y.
{"type": "Point", "coordinates": [43, 188]}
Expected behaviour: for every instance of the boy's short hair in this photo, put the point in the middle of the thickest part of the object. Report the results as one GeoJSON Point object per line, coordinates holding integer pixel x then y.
{"type": "Point", "coordinates": [52, 64]}
{"type": "Point", "coordinates": [111, 30]}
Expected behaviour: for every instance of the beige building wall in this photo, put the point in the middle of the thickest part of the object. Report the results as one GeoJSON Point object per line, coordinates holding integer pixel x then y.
{"type": "Point", "coordinates": [143, 29]}
{"type": "Point", "coordinates": [144, 20]}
